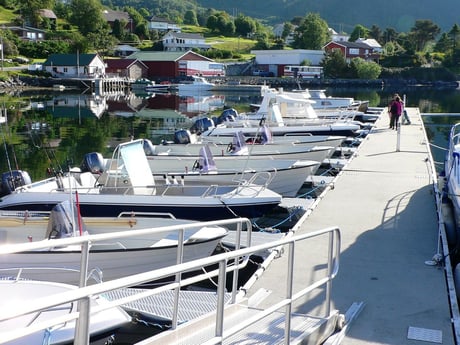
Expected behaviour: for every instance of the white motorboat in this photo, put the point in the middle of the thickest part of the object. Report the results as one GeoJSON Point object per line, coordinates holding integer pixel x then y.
{"type": "Point", "coordinates": [129, 186]}
{"type": "Point", "coordinates": [148, 85]}
{"type": "Point", "coordinates": [452, 173]}
{"type": "Point", "coordinates": [198, 84]}
{"type": "Point", "coordinates": [283, 176]}
{"type": "Point", "coordinates": [250, 125]}
{"type": "Point", "coordinates": [15, 293]}
{"type": "Point", "coordinates": [264, 137]}
{"type": "Point", "coordinates": [240, 146]}
{"type": "Point", "coordinates": [137, 252]}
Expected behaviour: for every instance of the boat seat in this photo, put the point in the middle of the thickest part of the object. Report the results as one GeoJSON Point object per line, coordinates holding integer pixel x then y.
{"type": "Point", "coordinates": [87, 180]}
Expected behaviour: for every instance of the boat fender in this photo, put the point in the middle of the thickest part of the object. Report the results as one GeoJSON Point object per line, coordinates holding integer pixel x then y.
{"type": "Point", "coordinates": [449, 223]}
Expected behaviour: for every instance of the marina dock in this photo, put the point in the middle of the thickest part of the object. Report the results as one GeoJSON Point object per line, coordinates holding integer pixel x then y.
{"type": "Point", "coordinates": [384, 204]}
{"type": "Point", "coordinates": [364, 264]}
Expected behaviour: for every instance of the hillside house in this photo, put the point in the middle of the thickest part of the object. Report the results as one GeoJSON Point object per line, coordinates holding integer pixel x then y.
{"type": "Point", "coordinates": [86, 66]}
{"type": "Point", "coordinates": [50, 16]}
{"type": "Point", "coordinates": [126, 68]}
{"type": "Point", "coordinates": [28, 33]}
{"type": "Point", "coordinates": [123, 17]}
{"type": "Point", "coordinates": [352, 50]}
{"type": "Point", "coordinates": [162, 25]}
{"type": "Point", "coordinates": [338, 37]}
{"type": "Point", "coordinates": [124, 50]}
{"type": "Point", "coordinates": [182, 42]}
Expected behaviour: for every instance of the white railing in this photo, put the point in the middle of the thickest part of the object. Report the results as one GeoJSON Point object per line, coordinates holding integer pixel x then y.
{"type": "Point", "coordinates": [83, 294]}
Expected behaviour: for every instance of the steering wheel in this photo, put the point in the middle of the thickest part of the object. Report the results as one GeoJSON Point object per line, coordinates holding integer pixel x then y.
{"type": "Point", "coordinates": [230, 147]}
{"type": "Point", "coordinates": [196, 165]}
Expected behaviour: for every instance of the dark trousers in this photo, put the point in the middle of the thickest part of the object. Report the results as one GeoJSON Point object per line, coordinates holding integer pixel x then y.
{"type": "Point", "coordinates": [394, 120]}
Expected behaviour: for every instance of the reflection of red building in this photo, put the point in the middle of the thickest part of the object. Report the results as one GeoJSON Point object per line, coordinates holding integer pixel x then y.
{"type": "Point", "coordinates": [187, 105]}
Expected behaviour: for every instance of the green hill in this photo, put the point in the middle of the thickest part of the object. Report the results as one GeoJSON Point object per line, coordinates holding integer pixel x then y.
{"type": "Point", "coordinates": [345, 14]}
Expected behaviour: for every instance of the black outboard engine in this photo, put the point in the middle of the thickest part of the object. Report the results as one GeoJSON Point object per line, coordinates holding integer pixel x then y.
{"type": "Point", "coordinates": [227, 115]}
{"type": "Point", "coordinates": [93, 163]}
{"type": "Point", "coordinates": [201, 125]}
{"type": "Point", "coordinates": [12, 180]}
{"type": "Point", "coordinates": [149, 149]}
{"type": "Point", "coordinates": [182, 136]}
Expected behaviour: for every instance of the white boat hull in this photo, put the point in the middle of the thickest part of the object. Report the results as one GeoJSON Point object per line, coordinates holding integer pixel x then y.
{"type": "Point", "coordinates": [16, 292]}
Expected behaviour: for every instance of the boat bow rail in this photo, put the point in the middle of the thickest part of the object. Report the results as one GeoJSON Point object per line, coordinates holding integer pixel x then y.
{"type": "Point", "coordinates": [219, 329]}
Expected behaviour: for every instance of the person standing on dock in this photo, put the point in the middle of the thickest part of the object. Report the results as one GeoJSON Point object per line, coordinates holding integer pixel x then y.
{"type": "Point", "coordinates": [395, 109]}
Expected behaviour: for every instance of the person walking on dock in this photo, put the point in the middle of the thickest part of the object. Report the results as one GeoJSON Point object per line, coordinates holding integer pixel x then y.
{"type": "Point", "coordinates": [395, 110]}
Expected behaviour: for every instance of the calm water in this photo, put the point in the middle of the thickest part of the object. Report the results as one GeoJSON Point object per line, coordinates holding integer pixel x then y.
{"type": "Point", "coordinates": [46, 132]}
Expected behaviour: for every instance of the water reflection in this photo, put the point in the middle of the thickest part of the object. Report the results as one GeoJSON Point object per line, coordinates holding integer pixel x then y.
{"type": "Point", "coordinates": [53, 130]}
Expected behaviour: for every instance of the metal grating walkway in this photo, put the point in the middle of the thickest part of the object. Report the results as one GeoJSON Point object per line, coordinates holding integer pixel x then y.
{"type": "Point", "coordinates": [192, 304]}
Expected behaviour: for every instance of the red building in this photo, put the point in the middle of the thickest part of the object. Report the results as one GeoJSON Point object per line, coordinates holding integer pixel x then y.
{"type": "Point", "coordinates": [353, 49]}
{"type": "Point", "coordinates": [167, 65]}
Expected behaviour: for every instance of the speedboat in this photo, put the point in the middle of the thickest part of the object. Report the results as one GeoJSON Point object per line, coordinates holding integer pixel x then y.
{"type": "Point", "coordinates": [452, 172]}
{"type": "Point", "coordinates": [264, 148]}
{"type": "Point", "coordinates": [283, 176]}
{"type": "Point", "coordinates": [139, 250]}
{"type": "Point", "coordinates": [129, 186]}
{"type": "Point", "coordinates": [198, 84]}
{"type": "Point", "coordinates": [148, 85]}
{"type": "Point", "coordinates": [15, 293]}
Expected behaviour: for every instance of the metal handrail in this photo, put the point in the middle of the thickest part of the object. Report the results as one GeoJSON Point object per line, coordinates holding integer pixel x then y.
{"type": "Point", "coordinates": [83, 293]}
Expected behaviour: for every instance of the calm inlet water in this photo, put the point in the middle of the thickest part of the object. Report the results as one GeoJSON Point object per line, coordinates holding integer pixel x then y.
{"type": "Point", "coordinates": [46, 132]}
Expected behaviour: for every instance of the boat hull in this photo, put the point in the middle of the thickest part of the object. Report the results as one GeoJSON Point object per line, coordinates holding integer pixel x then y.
{"type": "Point", "coordinates": [63, 266]}
{"type": "Point", "coordinates": [111, 205]}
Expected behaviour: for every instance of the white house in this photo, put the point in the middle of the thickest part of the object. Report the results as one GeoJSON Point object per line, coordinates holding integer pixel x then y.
{"type": "Point", "coordinates": [338, 37]}
{"type": "Point", "coordinates": [161, 24]}
{"type": "Point", "coordinates": [75, 65]}
{"type": "Point", "coordinates": [376, 47]}
{"type": "Point", "coordinates": [178, 41]}
{"type": "Point", "coordinates": [274, 61]}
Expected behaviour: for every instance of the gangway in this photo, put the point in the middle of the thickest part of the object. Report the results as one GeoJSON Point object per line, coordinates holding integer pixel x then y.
{"type": "Point", "coordinates": [231, 321]}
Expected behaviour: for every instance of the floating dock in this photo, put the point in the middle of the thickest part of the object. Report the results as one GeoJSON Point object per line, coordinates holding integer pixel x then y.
{"type": "Point", "coordinates": [384, 204]}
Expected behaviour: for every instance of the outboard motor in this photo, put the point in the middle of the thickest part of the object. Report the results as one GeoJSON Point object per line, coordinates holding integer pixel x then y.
{"type": "Point", "coordinates": [227, 115]}
{"type": "Point", "coordinates": [63, 221]}
{"type": "Point", "coordinates": [93, 162]}
{"type": "Point", "coordinates": [182, 136]}
{"type": "Point", "coordinates": [149, 149]}
{"type": "Point", "coordinates": [201, 125]}
{"type": "Point", "coordinates": [12, 180]}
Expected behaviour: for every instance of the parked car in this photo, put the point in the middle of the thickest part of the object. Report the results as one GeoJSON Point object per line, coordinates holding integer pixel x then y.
{"type": "Point", "coordinates": [21, 59]}
{"type": "Point", "coordinates": [263, 73]}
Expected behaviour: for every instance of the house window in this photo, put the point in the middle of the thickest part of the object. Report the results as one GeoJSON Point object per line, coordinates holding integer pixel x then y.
{"type": "Point", "coordinates": [65, 69]}
{"type": "Point", "coordinates": [354, 51]}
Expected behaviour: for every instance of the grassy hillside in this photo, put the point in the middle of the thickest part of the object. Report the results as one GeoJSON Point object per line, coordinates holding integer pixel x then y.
{"type": "Point", "coordinates": [6, 16]}
{"type": "Point", "coordinates": [345, 14]}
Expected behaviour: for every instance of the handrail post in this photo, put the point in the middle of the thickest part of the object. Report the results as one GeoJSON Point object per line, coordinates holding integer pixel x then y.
{"type": "Point", "coordinates": [289, 289]}
{"type": "Point", "coordinates": [82, 324]}
{"type": "Point", "coordinates": [329, 273]}
{"type": "Point", "coordinates": [179, 259]}
{"type": "Point", "coordinates": [221, 298]}
{"type": "Point", "coordinates": [237, 261]}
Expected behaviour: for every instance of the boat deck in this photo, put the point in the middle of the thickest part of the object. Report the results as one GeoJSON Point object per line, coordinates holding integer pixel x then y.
{"type": "Point", "coordinates": [384, 204]}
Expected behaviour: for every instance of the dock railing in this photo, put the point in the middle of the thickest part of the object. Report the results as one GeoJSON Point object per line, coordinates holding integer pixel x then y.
{"type": "Point", "coordinates": [238, 259]}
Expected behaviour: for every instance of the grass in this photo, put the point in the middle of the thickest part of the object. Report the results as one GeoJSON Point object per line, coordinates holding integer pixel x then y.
{"type": "Point", "coordinates": [6, 16]}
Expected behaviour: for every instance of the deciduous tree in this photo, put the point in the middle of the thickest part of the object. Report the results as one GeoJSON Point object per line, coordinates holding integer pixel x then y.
{"type": "Point", "coordinates": [312, 33]}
